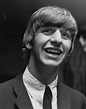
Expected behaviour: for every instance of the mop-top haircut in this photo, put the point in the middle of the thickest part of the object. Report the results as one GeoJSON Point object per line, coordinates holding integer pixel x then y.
{"type": "Point", "coordinates": [49, 16]}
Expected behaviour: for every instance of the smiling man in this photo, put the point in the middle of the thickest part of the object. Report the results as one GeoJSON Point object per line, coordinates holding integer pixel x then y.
{"type": "Point", "coordinates": [49, 39]}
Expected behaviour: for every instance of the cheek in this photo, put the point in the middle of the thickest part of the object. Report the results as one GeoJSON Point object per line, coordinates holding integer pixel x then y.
{"type": "Point", "coordinates": [67, 45]}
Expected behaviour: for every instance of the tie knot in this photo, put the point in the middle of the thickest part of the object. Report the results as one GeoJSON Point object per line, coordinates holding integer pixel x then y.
{"type": "Point", "coordinates": [48, 92]}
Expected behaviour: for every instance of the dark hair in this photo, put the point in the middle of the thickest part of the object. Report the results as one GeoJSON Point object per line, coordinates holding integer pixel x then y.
{"type": "Point", "coordinates": [48, 15]}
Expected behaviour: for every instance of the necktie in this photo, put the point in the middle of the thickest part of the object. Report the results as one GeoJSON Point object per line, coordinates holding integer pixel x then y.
{"type": "Point", "coordinates": [47, 98]}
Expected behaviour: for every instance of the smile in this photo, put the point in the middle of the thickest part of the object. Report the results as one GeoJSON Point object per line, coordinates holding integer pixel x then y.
{"type": "Point", "coordinates": [54, 51]}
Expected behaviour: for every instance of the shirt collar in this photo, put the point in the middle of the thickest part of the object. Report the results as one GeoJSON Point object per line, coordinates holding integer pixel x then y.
{"type": "Point", "coordinates": [34, 87]}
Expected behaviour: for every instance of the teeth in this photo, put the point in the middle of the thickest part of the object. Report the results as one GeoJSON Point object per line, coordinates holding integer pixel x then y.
{"type": "Point", "coordinates": [53, 51]}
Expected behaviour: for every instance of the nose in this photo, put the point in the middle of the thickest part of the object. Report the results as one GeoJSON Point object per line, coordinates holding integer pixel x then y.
{"type": "Point", "coordinates": [56, 37]}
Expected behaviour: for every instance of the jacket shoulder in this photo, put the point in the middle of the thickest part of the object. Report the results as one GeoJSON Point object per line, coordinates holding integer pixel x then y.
{"type": "Point", "coordinates": [73, 92]}
{"type": "Point", "coordinates": [7, 95]}
{"type": "Point", "coordinates": [76, 96]}
{"type": "Point", "coordinates": [6, 88]}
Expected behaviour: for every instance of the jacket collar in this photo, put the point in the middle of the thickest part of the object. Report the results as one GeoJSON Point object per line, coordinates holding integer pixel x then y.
{"type": "Point", "coordinates": [23, 101]}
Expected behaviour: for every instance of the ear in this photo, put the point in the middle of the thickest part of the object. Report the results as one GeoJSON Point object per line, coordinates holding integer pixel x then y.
{"type": "Point", "coordinates": [28, 40]}
{"type": "Point", "coordinates": [28, 45]}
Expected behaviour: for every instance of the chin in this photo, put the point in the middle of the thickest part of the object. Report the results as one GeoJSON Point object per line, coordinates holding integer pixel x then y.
{"type": "Point", "coordinates": [52, 63]}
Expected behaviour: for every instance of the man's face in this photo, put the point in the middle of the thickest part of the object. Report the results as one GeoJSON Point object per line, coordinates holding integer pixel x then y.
{"type": "Point", "coordinates": [51, 45]}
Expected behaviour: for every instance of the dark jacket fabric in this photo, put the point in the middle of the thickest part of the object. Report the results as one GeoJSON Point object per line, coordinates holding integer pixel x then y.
{"type": "Point", "coordinates": [13, 95]}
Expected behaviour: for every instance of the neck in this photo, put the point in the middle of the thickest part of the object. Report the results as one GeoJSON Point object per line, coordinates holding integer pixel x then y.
{"type": "Point", "coordinates": [45, 74]}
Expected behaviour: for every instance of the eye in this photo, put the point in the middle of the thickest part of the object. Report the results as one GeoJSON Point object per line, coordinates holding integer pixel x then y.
{"type": "Point", "coordinates": [65, 34]}
{"type": "Point", "coordinates": [48, 31]}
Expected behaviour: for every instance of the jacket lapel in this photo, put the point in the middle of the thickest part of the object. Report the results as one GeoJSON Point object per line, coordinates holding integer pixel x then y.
{"type": "Point", "coordinates": [22, 99]}
{"type": "Point", "coordinates": [63, 97]}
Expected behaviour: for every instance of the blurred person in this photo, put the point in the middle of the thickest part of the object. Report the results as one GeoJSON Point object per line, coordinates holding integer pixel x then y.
{"type": "Point", "coordinates": [49, 40]}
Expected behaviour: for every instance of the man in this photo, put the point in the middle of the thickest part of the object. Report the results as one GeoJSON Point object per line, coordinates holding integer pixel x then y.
{"type": "Point", "coordinates": [49, 39]}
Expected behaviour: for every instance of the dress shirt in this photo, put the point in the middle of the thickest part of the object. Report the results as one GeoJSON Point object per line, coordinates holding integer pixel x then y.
{"type": "Point", "coordinates": [35, 90]}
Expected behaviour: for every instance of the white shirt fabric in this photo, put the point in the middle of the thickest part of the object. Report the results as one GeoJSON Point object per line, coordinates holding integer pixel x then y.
{"type": "Point", "coordinates": [36, 89]}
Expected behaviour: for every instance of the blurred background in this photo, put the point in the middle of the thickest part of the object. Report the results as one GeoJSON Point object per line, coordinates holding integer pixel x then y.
{"type": "Point", "coordinates": [13, 22]}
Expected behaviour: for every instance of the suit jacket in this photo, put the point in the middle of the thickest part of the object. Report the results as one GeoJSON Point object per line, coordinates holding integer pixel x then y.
{"type": "Point", "coordinates": [13, 95]}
